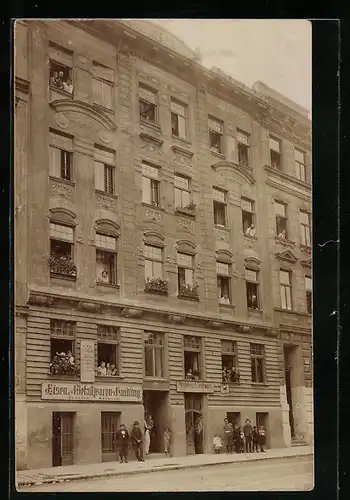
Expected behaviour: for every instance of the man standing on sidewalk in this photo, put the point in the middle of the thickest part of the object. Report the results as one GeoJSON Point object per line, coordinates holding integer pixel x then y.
{"type": "Point", "coordinates": [136, 439]}
{"type": "Point", "coordinates": [248, 434]}
{"type": "Point", "coordinates": [122, 437]}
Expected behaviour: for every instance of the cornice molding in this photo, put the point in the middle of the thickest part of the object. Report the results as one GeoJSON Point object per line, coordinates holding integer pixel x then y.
{"type": "Point", "coordinates": [225, 165]}
{"type": "Point", "coordinates": [74, 106]}
{"type": "Point", "coordinates": [182, 151]}
{"type": "Point", "coordinates": [291, 191]}
{"type": "Point", "coordinates": [287, 256]}
{"type": "Point", "coordinates": [286, 177]}
{"type": "Point", "coordinates": [21, 84]}
{"type": "Point", "coordinates": [151, 138]}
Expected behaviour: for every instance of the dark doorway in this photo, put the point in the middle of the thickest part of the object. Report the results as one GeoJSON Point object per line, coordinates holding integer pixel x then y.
{"type": "Point", "coordinates": [262, 418]}
{"type": "Point", "coordinates": [62, 438]}
{"type": "Point", "coordinates": [289, 400]}
{"type": "Point", "coordinates": [234, 418]}
{"type": "Point", "coordinates": [194, 424]}
{"type": "Point", "coordinates": [156, 404]}
{"type": "Point", "coordinates": [110, 422]}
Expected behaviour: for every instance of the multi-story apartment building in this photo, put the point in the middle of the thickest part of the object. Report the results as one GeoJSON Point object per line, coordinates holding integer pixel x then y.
{"type": "Point", "coordinates": [162, 227]}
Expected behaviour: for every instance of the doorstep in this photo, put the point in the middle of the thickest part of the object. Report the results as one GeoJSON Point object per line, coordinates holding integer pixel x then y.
{"type": "Point", "coordinates": [107, 469]}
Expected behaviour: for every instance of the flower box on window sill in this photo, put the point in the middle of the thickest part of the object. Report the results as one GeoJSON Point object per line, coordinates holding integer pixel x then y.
{"type": "Point", "coordinates": [217, 154]}
{"type": "Point", "coordinates": [60, 368]}
{"type": "Point", "coordinates": [190, 212]}
{"type": "Point", "coordinates": [186, 296]}
{"type": "Point", "coordinates": [62, 277]}
{"type": "Point", "coordinates": [188, 292]}
{"type": "Point", "coordinates": [62, 265]}
{"type": "Point", "coordinates": [156, 285]}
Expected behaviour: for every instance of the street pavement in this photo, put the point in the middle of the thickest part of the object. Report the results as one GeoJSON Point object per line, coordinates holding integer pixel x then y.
{"type": "Point", "coordinates": [275, 474]}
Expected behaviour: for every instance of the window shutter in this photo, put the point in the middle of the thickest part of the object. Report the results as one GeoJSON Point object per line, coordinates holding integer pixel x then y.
{"type": "Point", "coordinates": [99, 176]}
{"type": "Point", "coordinates": [55, 161]}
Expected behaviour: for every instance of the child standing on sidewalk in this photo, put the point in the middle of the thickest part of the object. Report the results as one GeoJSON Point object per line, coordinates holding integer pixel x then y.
{"type": "Point", "coordinates": [167, 441]}
{"type": "Point", "coordinates": [217, 444]}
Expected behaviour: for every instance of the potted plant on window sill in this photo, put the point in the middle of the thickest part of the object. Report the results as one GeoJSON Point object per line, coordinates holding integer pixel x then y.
{"type": "Point", "coordinates": [63, 364]}
{"type": "Point", "coordinates": [189, 209]}
{"type": "Point", "coordinates": [188, 291]}
{"type": "Point", "coordinates": [157, 285]}
{"type": "Point", "coordinates": [62, 265]}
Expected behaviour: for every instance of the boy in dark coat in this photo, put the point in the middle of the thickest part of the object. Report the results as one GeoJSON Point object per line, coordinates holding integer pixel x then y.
{"type": "Point", "coordinates": [136, 439]}
{"type": "Point", "coordinates": [248, 434]}
{"type": "Point", "coordinates": [238, 439]}
{"type": "Point", "coordinates": [122, 437]}
{"type": "Point", "coordinates": [255, 438]}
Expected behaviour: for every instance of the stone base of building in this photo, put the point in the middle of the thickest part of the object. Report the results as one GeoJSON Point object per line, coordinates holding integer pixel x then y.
{"type": "Point", "coordinates": [21, 431]}
{"type": "Point", "coordinates": [303, 415]}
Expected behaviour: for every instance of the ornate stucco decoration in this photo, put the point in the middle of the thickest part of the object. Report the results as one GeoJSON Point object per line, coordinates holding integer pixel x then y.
{"type": "Point", "coordinates": [105, 202]}
{"type": "Point", "coordinates": [186, 225]}
{"type": "Point", "coordinates": [153, 215]}
{"type": "Point", "coordinates": [89, 307]}
{"type": "Point", "coordinates": [151, 139]}
{"type": "Point", "coordinates": [41, 300]}
{"type": "Point", "coordinates": [287, 256]}
{"type": "Point", "coordinates": [244, 328]}
{"type": "Point", "coordinates": [229, 166]}
{"type": "Point", "coordinates": [221, 235]}
{"type": "Point", "coordinates": [181, 155]}
{"type": "Point", "coordinates": [173, 318]}
{"type": "Point", "coordinates": [62, 215]}
{"type": "Point", "coordinates": [74, 106]}
{"type": "Point", "coordinates": [131, 313]}
{"type": "Point", "coordinates": [215, 324]}
{"type": "Point", "coordinates": [307, 264]}
{"type": "Point", "coordinates": [61, 189]}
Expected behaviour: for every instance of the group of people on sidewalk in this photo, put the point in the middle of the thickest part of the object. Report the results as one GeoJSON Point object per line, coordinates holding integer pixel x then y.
{"type": "Point", "coordinates": [249, 439]}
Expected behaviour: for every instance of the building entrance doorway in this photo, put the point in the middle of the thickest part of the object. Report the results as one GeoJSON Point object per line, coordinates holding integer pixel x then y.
{"type": "Point", "coordinates": [234, 418]}
{"type": "Point", "coordinates": [262, 418]}
{"type": "Point", "coordinates": [110, 422]}
{"type": "Point", "coordinates": [287, 376]}
{"type": "Point", "coordinates": [156, 405]}
{"type": "Point", "coordinates": [294, 380]}
{"type": "Point", "coordinates": [194, 424]}
{"type": "Point", "coordinates": [62, 438]}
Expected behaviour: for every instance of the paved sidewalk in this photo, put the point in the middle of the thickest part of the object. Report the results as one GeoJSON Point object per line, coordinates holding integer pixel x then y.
{"type": "Point", "coordinates": [88, 471]}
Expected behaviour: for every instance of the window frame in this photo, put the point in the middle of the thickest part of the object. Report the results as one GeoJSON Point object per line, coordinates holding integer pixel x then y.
{"type": "Point", "coordinates": [154, 185]}
{"type": "Point", "coordinates": [143, 100]}
{"type": "Point", "coordinates": [256, 283]}
{"type": "Point", "coordinates": [241, 145]}
{"type": "Point", "coordinates": [63, 152]}
{"type": "Point", "coordinates": [214, 132]}
{"type": "Point", "coordinates": [251, 213]}
{"type": "Point", "coordinates": [183, 266]}
{"type": "Point", "coordinates": [70, 337]}
{"type": "Point", "coordinates": [104, 250]}
{"type": "Point", "coordinates": [182, 190]}
{"type": "Point", "coordinates": [104, 84]}
{"type": "Point", "coordinates": [278, 154]}
{"type": "Point", "coordinates": [254, 357]}
{"type": "Point", "coordinates": [154, 347]}
{"type": "Point", "coordinates": [299, 166]}
{"type": "Point", "coordinates": [233, 355]}
{"type": "Point", "coordinates": [279, 217]}
{"type": "Point", "coordinates": [71, 243]}
{"type": "Point", "coordinates": [198, 350]}
{"type": "Point", "coordinates": [286, 289]}
{"type": "Point", "coordinates": [109, 335]}
{"type": "Point", "coordinates": [305, 228]}
{"type": "Point", "coordinates": [176, 114]}
{"type": "Point", "coordinates": [108, 177]}
{"type": "Point", "coordinates": [161, 261]}
{"type": "Point", "coordinates": [308, 294]}
{"type": "Point", "coordinates": [65, 68]}
{"type": "Point", "coordinates": [217, 204]}
{"type": "Point", "coordinates": [222, 276]}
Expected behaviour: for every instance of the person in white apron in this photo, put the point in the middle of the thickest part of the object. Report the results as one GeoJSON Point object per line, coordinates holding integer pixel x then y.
{"type": "Point", "coordinates": [147, 439]}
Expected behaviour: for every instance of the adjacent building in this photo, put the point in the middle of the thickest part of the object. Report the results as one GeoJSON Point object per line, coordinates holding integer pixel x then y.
{"type": "Point", "coordinates": [162, 246]}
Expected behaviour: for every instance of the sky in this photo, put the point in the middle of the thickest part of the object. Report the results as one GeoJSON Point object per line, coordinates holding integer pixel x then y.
{"type": "Point", "coordinates": [276, 52]}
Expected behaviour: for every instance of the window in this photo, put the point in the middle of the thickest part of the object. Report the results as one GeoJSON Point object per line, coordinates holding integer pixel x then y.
{"type": "Point", "coordinates": [107, 351]}
{"type": "Point", "coordinates": [223, 283]}
{"type": "Point", "coordinates": [252, 288]}
{"type": "Point", "coordinates": [150, 184]}
{"type": "Point", "coordinates": [286, 290]}
{"type": "Point", "coordinates": [148, 104]}
{"type": "Point", "coordinates": [110, 422]}
{"type": "Point", "coordinates": [61, 163]}
{"type": "Point", "coordinates": [229, 363]}
{"type": "Point", "coordinates": [102, 93]}
{"type": "Point", "coordinates": [275, 153]}
{"type": "Point", "coordinates": [192, 355]}
{"type": "Point", "coordinates": [281, 219]}
{"type": "Point", "coordinates": [62, 347]}
{"type": "Point", "coordinates": [219, 205]}
{"type": "Point", "coordinates": [308, 289]}
{"type": "Point", "coordinates": [248, 217]}
{"type": "Point", "coordinates": [300, 169]}
{"type": "Point", "coordinates": [178, 120]}
{"type": "Point", "coordinates": [216, 130]}
{"type": "Point", "coordinates": [305, 228]}
{"type": "Point", "coordinates": [61, 77]}
{"type": "Point", "coordinates": [61, 250]}
{"type": "Point", "coordinates": [153, 262]}
{"type": "Point", "coordinates": [154, 355]}
{"type": "Point", "coordinates": [243, 143]}
{"type": "Point", "coordinates": [106, 259]}
{"type": "Point", "coordinates": [257, 357]}
{"type": "Point", "coordinates": [104, 177]}
{"type": "Point", "coordinates": [185, 272]}
{"type": "Point", "coordinates": [182, 192]}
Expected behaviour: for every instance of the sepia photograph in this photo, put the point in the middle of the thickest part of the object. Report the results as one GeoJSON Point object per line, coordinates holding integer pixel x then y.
{"type": "Point", "coordinates": [163, 255]}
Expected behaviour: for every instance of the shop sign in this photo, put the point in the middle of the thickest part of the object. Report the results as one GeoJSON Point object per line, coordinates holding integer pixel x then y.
{"type": "Point", "coordinates": [194, 386]}
{"type": "Point", "coordinates": [87, 361]}
{"type": "Point", "coordinates": [90, 392]}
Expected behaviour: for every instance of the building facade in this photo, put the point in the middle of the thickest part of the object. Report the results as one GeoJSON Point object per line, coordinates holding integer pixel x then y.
{"type": "Point", "coordinates": [162, 246]}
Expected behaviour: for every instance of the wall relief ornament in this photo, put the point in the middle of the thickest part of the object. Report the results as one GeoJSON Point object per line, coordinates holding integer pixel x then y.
{"type": "Point", "coordinates": [248, 243]}
{"type": "Point", "coordinates": [147, 146]}
{"type": "Point", "coordinates": [153, 215]}
{"type": "Point", "coordinates": [62, 190]}
{"type": "Point", "coordinates": [131, 313]}
{"type": "Point", "coordinates": [185, 224]}
{"type": "Point", "coordinates": [80, 239]}
{"type": "Point", "coordinates": [105, 136]}
{"type": "Point", "coordinates": [221, 235]}
{"type": "Point", "coordinates": [62, 121]}
{"type": "Point", "coordinates": [105, 202]}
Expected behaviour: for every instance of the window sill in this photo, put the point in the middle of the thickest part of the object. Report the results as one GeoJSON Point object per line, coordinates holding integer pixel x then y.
{"type": "Point", "coordinates": [155, 379]}
{"type": "Point", "coordinates": [64, 181]}
{"type": "Point", "coordinates": [284, 241]}
{"type": "Point", "coordinates": [108, 378]}
{"type": "Point", "coordinates": [217, 154]}
{"type": "Point", "coordinates": [230, 307]}
{"type": "Point", "coordinates": [224, 228]}
{"type": "Point", "coordinates": [60, 91]}
{"type": "Point", "coordinates": [292, 311]}
{"type": "Point", "coordinates": [112, 195]}
{"type": "Point", "coordinates": [156, 292]}
{"type": "Point", "coordinates": [245, 165]}
{"type": "Point", "coordinates": [108, 285]}
{"type": "Point", "coordinates": [184, 211]}
{"type": "Point", "coordinates": [63, 377]}
{"type": "Point", "coordinates": [187, 297]}
{"type": "Point", "coordinates": [103, 108]}
{"type": "Point", "coordinates": [149, 123]}
{"type": "Point", "coordinates": [65, 277]}
{"type": "Point", "coordinates": [155, 207]}
{"type": "Point", "coordinates": [255, 311]}
{"type": "Point", "coordinates": [249, 237]}
{"type": "Point", "coordinates": [182, 139]}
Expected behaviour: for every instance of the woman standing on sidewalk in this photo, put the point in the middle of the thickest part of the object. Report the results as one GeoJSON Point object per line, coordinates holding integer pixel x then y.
{"type": "Point", "coordinates": [147, 437]}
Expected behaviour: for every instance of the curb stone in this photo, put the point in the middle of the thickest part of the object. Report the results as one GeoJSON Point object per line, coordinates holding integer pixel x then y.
{"type": "Point", "coordinates": [101, 475]}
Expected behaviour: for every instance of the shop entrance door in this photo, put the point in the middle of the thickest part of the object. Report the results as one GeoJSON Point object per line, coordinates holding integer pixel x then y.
{"type": "Point", "coordinates": [156, 404]}
{"type": "Point", "coordinates": [194, 424]}
{"type": "Point", "coordinates": [109, 427]}
{"type": "Point", "coordinates": [62, 438]}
